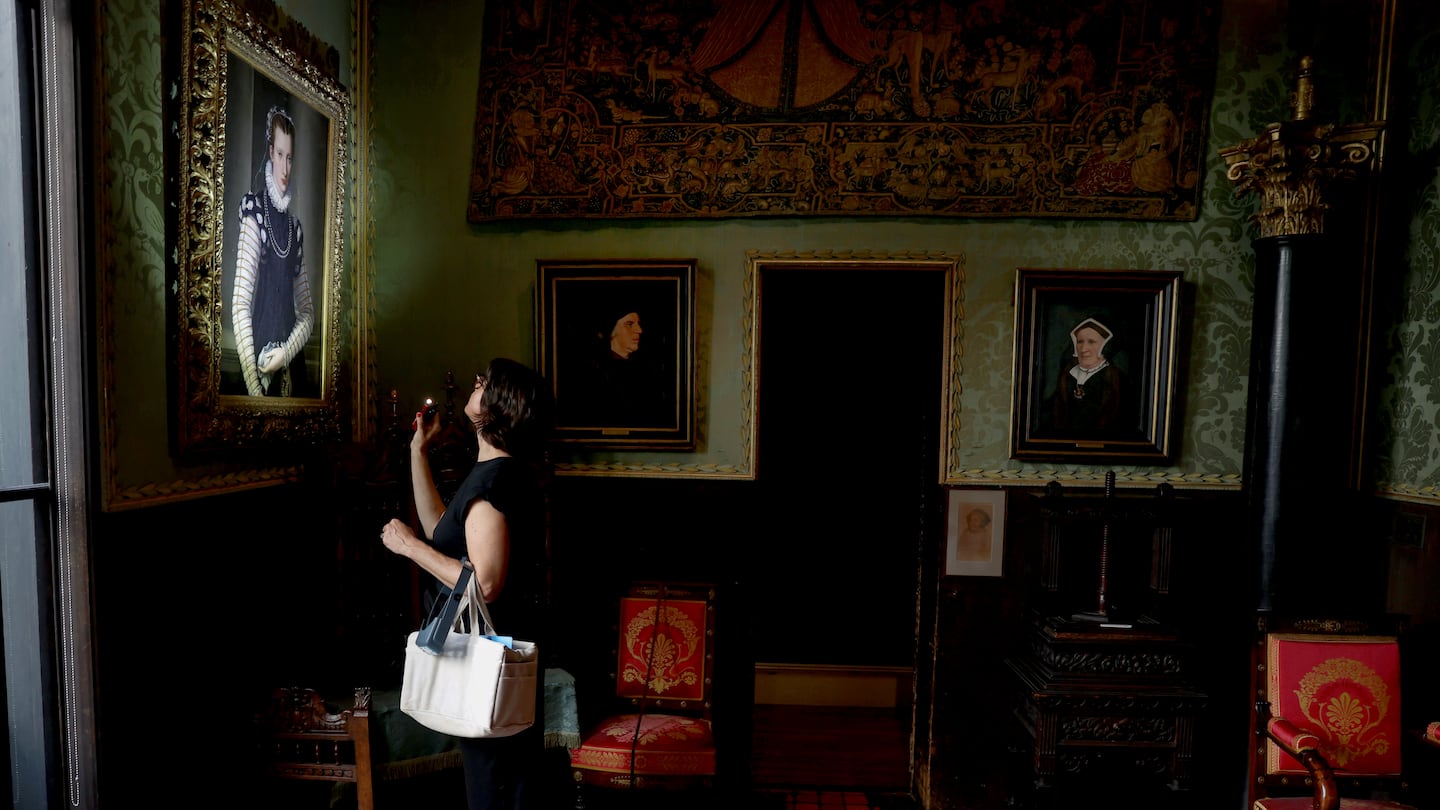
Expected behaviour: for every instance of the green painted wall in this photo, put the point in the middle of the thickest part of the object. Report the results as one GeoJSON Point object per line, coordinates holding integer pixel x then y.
{"type": "Point", "coordinates": [448, 295]}
{"type": "Point", "coordinates": [438, 275]}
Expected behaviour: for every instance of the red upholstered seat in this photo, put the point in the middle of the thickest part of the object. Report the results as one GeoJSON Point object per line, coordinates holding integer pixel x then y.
{"type": "Point", "coordinates": [668, 745]}
{"type": "Point", "coordinates": [664, 661]}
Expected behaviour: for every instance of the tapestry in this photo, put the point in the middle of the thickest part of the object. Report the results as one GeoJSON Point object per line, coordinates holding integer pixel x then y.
{"type": "Point", "coordinates": [901, 108]}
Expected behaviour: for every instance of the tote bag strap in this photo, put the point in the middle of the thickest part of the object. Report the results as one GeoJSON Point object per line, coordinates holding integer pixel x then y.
{"type": "Point", "coordinates": [445, 612]}
{"type": "Point", "coordinates": [473, 600]}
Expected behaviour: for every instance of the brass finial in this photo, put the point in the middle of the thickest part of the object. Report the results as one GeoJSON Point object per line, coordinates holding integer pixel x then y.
{"type": "Point", "coordinates": [1293, 163]}
{"type": "Point", "coordinates": [1304, 98]}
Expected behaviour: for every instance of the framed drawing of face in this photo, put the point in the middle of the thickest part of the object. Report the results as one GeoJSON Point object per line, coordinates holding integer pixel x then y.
{"type": "Point", "coordinates": [1095, 365]}
{"type": "Point", "coordinates": [617, 342]}
{"type": "Point", "coordinates": [260, 264]}
{"type": "Point", "coordinates": [974, 532]}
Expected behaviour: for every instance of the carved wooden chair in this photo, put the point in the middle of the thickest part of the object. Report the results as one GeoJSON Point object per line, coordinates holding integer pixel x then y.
{"type": "Point", "coordinates": [303, 736]}
{"type": "Point", "coordinates": [299, 737]}
{"type": "Point", "coordinates": [661, 735]}
{"type": "Point", "coordinates": [1328, 731]}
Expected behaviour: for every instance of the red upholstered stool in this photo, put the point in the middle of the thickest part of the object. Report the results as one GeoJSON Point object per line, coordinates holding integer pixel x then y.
{"type": "Point", "coordinates": [663, 672]}
{"type": "Point", "coordinates": [667, 745]}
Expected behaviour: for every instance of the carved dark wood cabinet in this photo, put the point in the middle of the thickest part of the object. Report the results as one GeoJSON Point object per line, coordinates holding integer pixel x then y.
{"type": "Point", "coordinates": [1097, 700]}
{"type": "Point", "coordinates": [1106, 683]}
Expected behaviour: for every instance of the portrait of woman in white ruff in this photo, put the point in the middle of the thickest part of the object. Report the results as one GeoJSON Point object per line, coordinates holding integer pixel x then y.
{"type": "Point", "coordinates": [273, 250]}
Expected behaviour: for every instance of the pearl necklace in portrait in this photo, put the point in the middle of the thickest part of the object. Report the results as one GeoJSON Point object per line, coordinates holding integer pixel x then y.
{"type": "Point", "coordinates": [281, 202]}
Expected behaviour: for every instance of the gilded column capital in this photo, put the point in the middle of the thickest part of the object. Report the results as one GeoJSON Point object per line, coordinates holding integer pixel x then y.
{"type": "Point", "coordinates": [1292, 163]}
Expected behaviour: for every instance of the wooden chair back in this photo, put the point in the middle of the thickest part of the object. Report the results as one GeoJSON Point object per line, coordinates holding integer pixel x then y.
{"type": "Point", "coordinates": [299, 738]}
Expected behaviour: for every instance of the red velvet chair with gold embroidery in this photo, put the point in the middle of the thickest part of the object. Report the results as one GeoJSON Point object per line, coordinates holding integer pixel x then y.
{"type": "Point", "coordinates": [1328, 720]}
{"type": "Point", "coordinates": [661, 734]}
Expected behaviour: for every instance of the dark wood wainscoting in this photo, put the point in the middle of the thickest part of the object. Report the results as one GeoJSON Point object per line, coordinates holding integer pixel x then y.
{"type": "Point", "coordinates": [832, 747]}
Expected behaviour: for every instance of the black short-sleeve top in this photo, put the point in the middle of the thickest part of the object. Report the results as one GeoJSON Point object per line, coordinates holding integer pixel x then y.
{"type": "Point", "coordinates": [511, 486]}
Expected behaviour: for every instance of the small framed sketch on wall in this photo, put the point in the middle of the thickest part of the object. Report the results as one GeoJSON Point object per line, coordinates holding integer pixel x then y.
{"type": "Point", "coordinates": [1095, 366]}
{"type": "Point", "coordinates": [616, 340]}
{"type": "Point", "coordinates": [974, 532]}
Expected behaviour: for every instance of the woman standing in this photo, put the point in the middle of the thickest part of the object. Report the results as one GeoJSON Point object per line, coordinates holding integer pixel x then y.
{"type": "Point", "coordinates": [497, 519]}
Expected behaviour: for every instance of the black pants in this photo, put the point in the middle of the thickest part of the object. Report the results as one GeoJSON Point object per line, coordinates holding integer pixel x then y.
{"type": "Point", "coordinates": [504, 773]}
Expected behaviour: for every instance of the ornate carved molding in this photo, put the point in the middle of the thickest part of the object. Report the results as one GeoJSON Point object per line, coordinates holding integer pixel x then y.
{"type": "Point", "coordinates": [1107, 662]}
{"type": "Point", "coordinates": [1117, 704]}
{"type": "Point", "coordinates": [1119, 728]}
{"type": "Point", "coordinates": [1075, 763]}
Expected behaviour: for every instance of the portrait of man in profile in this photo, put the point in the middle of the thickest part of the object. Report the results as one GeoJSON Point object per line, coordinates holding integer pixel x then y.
{"type": "Point", "coordinates": [616, 372]}
{"type": "Point", "coordinates": [617, 345]}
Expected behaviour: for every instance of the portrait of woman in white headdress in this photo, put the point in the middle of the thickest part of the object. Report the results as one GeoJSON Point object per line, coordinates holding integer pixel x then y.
{"type": "Point", "coordinates": [1092, 392]}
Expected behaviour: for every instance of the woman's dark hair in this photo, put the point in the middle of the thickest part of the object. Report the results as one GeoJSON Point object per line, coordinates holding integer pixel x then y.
{"type": "Point", "coordinates": [516, 409]}
{"type": "Point", "coordinates": [277, 118]}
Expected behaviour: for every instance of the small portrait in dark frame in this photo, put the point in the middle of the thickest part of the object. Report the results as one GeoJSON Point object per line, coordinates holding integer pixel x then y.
{"type": "Point", "coordinates": [1095, 365]}
{"type": "Point", "coordinates": [616, 341]}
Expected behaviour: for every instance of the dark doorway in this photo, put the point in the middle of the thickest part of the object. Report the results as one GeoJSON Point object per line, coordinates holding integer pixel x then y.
{"type": "Point", "coordinates": [850, 365]}
{"type": "Point", "coordinates": [849, 386]}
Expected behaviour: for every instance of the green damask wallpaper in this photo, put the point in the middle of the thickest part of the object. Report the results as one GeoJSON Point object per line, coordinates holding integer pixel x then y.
{"type": "Point", "coordinates": [434, 268]}
{"type": "Point", "coordinates": [449, 294]}
{"type": "Point", "coordinates": [132, 343]}
{"type": "Point", "coordinates": [1407, 444]}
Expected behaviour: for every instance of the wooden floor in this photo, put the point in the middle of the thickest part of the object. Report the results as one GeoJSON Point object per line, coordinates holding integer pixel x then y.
{"type": "Point", "coordinates": [803, 758]}
{"type": "Point", "coordinates": [809, 758]}
{"type": "Point", "coordinates": [830, 756]}
{"type": "Point", "coordinates": [801, 799]}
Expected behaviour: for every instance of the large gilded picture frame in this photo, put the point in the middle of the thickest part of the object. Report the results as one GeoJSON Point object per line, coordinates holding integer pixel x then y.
{"type": "Point", "coordinates": [1095, 365]}
{"type": "Point", "coordinates": [259, 236]}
